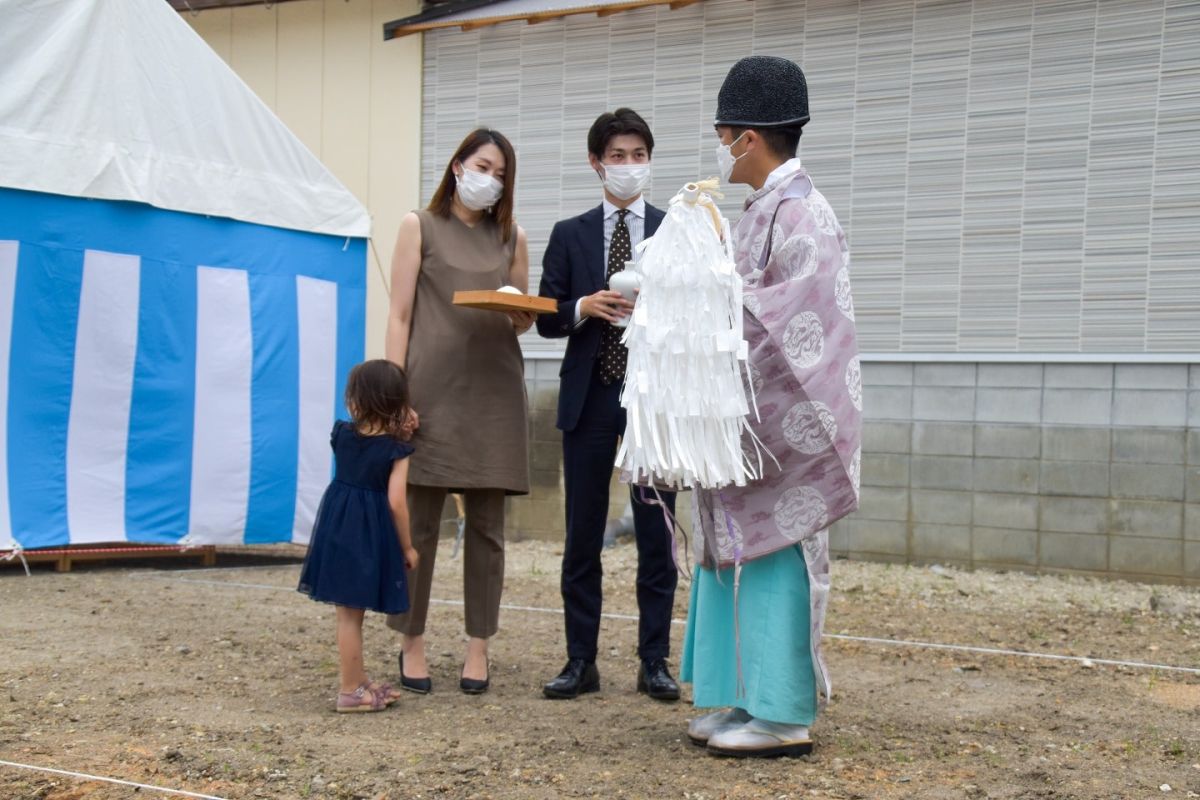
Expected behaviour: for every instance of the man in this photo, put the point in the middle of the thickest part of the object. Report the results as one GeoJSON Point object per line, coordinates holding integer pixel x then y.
{"type": "Point", "coordinates": [582, 253]}
{"type": "Point", "coordinates": [754, 630]}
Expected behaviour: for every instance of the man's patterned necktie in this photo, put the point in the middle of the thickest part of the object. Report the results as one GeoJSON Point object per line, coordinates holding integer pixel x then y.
{"type": "Point", "coordinates": [612, 352]}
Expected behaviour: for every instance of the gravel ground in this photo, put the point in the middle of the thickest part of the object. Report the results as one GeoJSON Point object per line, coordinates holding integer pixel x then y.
{"type": "Point", "coordinates": [222, 682]}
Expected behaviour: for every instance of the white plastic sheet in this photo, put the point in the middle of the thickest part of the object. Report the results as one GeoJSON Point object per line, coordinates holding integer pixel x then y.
{"type": "Point", "coordinates": [122, 100]}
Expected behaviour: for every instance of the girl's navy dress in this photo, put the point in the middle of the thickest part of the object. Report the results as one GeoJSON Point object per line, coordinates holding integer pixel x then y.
{"type": "Point", "coordinates": [354, 558]}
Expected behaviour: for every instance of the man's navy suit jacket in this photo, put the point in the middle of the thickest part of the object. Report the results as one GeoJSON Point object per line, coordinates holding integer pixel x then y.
{"type": "Point", "coordinates": [573, 267]}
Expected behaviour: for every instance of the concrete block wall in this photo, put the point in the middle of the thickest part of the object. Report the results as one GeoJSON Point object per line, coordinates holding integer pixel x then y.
{"type": "Point", "coordinates": [1091, 468]}
{"type": "Point", "coordinates": [541, 513]}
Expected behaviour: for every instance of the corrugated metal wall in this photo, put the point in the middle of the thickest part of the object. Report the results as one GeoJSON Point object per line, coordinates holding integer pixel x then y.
{"type": "Point", "coordinates": [1014, 176]}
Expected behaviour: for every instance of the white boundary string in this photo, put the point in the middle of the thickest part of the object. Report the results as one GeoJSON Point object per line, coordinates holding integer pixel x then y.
{"type": "Point", "coordinates": [203, 582]}
{"type": "Point", "coordinates": [995, 651]}
{"type": "Point", "coordinates": [961, 648]}
{"type": "Point", "coordinates": [207, 570]}
{"type": "Point", "coordinates": [101, 778]}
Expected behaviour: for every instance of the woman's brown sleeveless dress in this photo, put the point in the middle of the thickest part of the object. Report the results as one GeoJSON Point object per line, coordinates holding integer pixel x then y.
{"type": "Point", "coordinates": [466, 373]}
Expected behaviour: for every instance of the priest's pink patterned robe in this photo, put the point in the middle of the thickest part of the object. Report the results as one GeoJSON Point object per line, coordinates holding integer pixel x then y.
{"type": "Point", "coordinates": [804, 366]}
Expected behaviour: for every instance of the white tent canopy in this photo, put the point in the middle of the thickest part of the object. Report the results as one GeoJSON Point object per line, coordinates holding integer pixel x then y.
{"type": "Point", "coordinates": [196, 140]}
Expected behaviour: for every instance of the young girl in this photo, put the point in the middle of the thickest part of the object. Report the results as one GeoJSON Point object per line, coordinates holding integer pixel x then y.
{"type": "Point", "coordinates": [360, 544]}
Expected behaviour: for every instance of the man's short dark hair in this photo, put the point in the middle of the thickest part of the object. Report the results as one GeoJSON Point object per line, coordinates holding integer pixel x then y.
{"type": "Point", "coordinates": [782, 142]}
{"type": "Point", "coordinates": [615, 123]}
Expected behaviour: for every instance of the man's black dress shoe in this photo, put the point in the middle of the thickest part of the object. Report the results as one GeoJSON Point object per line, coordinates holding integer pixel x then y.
{"type": "Point", "coordinates": [577, 677]}
{"type": "Point", "coordinates": [655, 680]}
{"type": "Point", "coordinates": [415, 685]}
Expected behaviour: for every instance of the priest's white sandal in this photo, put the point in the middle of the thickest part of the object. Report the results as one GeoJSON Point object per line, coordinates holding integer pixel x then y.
{"type": "Point", "coordinates": [701, 729]}
{"type": "Point", "coordinates": [759, 738]}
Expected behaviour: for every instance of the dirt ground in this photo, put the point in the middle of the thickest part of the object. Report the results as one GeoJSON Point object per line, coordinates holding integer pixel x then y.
{"type": "Point", "coordinates": [221, 682]}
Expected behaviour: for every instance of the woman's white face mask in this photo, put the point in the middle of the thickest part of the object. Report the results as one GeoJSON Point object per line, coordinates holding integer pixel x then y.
{"type": "Point", "coordinates": [476, 190]}
{"type": "Point", "coordinates": [726, 159]}
{"type": "Point", "coordinates": [626, 181]}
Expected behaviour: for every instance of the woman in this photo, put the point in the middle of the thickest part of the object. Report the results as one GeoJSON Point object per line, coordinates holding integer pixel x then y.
{"type": "Point", "coordinates": [466, 378]}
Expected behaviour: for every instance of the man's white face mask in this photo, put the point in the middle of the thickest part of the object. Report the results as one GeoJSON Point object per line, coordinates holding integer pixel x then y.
{"type": "Point", "coordinates": [626, 181]}
{"type": "Point", "coordinates": [726, 158]}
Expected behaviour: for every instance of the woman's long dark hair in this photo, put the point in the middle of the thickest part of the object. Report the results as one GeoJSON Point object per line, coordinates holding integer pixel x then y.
{"type": "Point", "coordinates": [377, 396]}
{"type": "Point", "coordinates": [502, 212]}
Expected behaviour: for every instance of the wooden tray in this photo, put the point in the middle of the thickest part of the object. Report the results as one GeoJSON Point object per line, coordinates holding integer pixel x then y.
{"type": "Point", "coordinates": [506, 301]}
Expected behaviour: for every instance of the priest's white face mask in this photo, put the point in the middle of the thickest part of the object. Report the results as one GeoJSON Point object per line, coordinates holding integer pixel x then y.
{"type": "Point", "coordinates": [626, 181]}
{"type": "Point", "coordinates": [476, 190]}
{"type": "Point", "coordinates": [726, 158]}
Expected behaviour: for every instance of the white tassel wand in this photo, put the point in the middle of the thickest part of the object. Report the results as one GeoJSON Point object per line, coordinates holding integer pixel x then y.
{"type": "Point", "coordinates": [684, 392]}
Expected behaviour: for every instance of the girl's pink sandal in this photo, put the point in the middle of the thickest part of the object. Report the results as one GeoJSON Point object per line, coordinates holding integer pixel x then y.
{"type": "Point", "coordinates": [362, 699]}
{"type": "Point", "coordinates": [386, 691]}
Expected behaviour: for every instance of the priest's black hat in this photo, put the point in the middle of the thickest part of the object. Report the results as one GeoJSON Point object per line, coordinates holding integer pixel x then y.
{"type": "Point", "coordinates": [763, 92]}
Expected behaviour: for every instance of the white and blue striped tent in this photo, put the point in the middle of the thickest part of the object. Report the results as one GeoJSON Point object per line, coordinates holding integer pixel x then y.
{"type": "Point", "coordinates": [182, 289]}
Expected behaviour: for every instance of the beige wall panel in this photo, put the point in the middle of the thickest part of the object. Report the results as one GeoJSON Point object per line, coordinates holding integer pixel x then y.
{"type": "Point", "coordinates": [345, 106]}
{"type": "Point", "coordinates": [395, 151]}
{"type": "Point", "coordinates": [300, 72]}
{"type": "Point", "coordinates": [253, 50]}
{"type": "Point", "coordinates": [216, 28]}
{"type": "Point", "coordinates": [345, 112]}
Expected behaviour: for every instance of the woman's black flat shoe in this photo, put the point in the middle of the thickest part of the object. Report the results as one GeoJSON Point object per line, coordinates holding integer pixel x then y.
{"type": "Point", "coordinates": [473, 686]}
{"type": "Point", "coordinates": [414, 685]}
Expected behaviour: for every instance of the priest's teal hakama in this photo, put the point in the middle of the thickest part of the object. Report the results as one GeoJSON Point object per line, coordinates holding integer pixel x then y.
{"type": "Point", "coordinates": [758, 647]}
{"type": "Point", "coordinates": [773, 608]}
